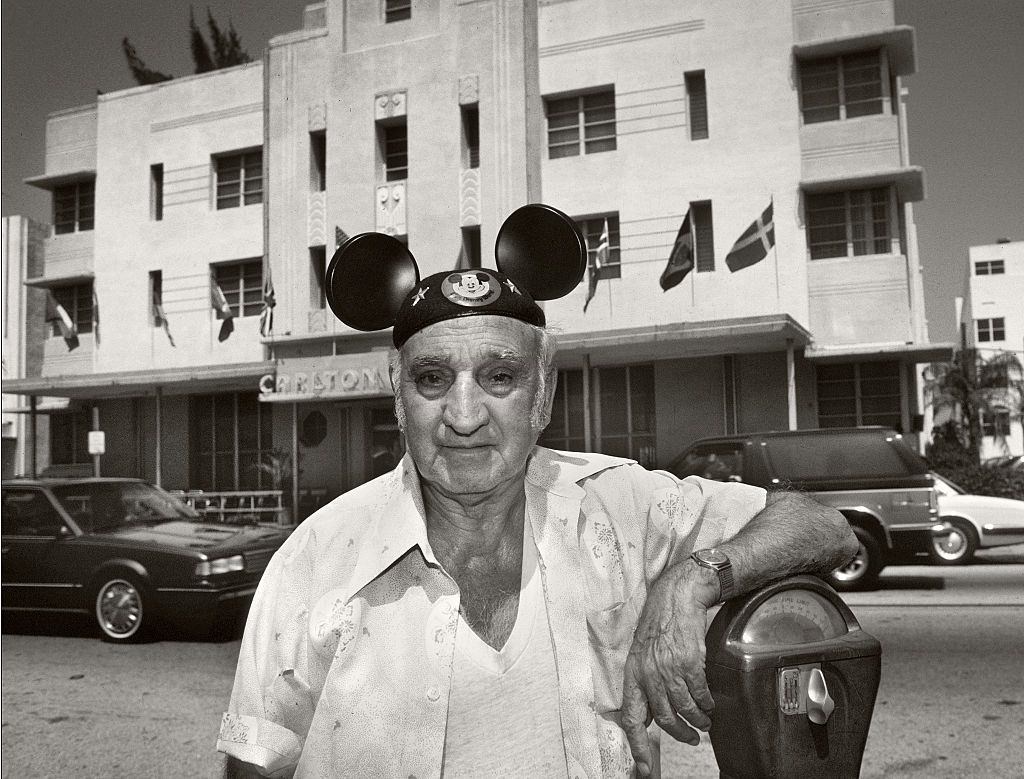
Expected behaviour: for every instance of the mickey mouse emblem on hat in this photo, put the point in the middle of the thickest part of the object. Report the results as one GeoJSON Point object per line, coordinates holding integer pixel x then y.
{"type": "Point", "coordinates": [373, 281]}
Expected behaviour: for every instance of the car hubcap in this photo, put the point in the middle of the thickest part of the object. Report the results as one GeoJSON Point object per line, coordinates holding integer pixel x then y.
{"type": "Point", "coordinates": [854, 569]}
{"type": "Point", "coordinates": [951, 546]}
{"type": "Point", "coordinates": [119, 608]}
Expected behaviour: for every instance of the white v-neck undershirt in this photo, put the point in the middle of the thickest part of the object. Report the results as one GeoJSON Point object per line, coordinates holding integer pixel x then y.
{"type": "Point", "coordinates": [503, 717]}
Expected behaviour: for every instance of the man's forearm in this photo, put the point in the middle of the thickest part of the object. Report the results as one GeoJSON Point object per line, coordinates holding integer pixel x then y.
{"type": "Point", "coordinates": [793, 534]}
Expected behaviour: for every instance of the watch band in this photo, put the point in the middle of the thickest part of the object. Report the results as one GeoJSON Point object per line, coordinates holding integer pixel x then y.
{"type": "Point", "coordinates": [718, 562]}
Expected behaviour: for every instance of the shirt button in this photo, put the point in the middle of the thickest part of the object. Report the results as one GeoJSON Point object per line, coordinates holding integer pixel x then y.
{"type": "Point", "coordinates": [433, 693]}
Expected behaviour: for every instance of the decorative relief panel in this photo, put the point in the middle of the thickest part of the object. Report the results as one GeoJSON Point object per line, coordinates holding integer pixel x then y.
{"type": "Point", "coordinates": [389, 104]}
{"type": "Point", "coordinates": [317, 117]}
{"type": "Point", "coordinates": [469, 197]}
{"type": "Point", "coordinates": [317, 321]}
{"type": "Point", "coordinates": [391, 208]}
{"type": "Point", "coordinates": [317, 219]}
{"type": "Point", "coordinates": [469, 90]}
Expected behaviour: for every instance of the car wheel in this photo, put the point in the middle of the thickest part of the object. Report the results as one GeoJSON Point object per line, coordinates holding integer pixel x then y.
{"type": "Point", "coordinates": [121, 607]}
{"type": "Point", "coordinates": [956, 546]}
{"type": "Point", "coordinates": [861, 571]}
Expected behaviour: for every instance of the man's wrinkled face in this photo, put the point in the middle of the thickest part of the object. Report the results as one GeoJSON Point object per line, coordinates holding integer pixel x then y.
{"type": "Point", "coordinates": [468, 387]}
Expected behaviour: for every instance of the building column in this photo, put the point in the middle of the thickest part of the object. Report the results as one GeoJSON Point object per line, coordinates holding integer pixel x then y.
{"type": "Point", "coordinates": [791, 383]}
{"type": "Point", "coordinates": [96, 426]}
{"type": "Point", "coordinates": [588, 433]}
{"type": "Point", "coordinates": [32, 419]}
{"type": "Point", "coordinates": [295, 463]}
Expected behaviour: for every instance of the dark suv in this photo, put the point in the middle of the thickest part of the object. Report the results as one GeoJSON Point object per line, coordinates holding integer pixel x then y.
{"type": "Point", "coordinates": [870, 474]}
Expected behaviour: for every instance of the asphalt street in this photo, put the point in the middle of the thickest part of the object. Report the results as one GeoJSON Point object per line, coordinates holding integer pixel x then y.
{"type": "Point", "coordinates": [951, 701]}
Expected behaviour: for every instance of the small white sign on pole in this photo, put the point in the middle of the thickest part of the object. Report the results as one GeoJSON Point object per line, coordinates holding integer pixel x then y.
{"type": "Point", "coordinates": [97, 442]}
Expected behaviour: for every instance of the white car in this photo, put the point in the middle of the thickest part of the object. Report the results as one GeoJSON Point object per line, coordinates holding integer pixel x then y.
{"type": "Point", "coordinates": [975, 521]}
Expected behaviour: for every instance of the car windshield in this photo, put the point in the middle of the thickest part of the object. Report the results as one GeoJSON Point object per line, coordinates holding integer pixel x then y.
{"type": "Point", "coordinates": [103, 506]}
{"type": "Point", "coordinates": [947, 487]}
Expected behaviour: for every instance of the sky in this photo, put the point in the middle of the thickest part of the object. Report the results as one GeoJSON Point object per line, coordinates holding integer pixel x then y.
{"type": "Point", "coordinates": [965, 104]}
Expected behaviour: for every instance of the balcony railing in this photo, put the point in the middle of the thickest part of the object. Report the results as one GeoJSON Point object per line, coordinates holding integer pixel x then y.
{"type": "Point", "coordinates": [239, 507]}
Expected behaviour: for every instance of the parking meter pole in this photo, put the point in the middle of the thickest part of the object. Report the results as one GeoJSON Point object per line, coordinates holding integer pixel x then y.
{"type": "Point", "coordinates": [96, 426]}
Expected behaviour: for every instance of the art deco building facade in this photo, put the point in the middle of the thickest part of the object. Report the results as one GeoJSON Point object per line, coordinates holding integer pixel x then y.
{"type": "Point", "coordinates": [432, 120]}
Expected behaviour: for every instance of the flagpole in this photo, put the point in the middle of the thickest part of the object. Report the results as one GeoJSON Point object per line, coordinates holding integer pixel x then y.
{"type": "Point", "coordinates": [775, 246]}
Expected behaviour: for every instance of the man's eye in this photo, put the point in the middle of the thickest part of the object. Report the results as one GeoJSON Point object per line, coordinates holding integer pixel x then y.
{"type": "Point", "coordinates": [430, 380]}
{"type": "Point", "coordinates": [502, 379]}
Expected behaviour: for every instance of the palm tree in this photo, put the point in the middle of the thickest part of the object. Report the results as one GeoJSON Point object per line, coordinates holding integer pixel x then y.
{"type": "Point", "coordinates": [226, 51]}
{"type": "Point", "coordinates": [972, 385]}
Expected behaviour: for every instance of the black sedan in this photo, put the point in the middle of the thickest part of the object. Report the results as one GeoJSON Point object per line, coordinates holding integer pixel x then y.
{"type": "Point", "coordinates": [126, 552]}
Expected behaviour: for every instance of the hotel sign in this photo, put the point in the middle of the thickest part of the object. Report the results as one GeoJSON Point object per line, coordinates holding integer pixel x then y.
{"type": "Point", "coordinates": [327, 378]}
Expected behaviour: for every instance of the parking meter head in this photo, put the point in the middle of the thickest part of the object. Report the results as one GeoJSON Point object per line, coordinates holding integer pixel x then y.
{"type": "Point", "coordinates": [794, 678]}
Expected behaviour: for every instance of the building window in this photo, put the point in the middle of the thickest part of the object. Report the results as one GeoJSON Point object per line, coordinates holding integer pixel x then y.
{"type": "Point", "coordinates": [317, 276]}
{"type": "Point", "coordinates": [77, 301]}
{"type": "Point", "coordinates": [991, 329]}
{"type": "Point", "coordinates": [69, 438]}
{"type": "Point", "coordinates": [230, 441]}
{"type": "Point", "coordinates": [989, 268]}
{"type": "Point", "coordinates": [74, 207]}
{"type": "Point", "coordinates": [592, 229]}
{"type": "Point", "coordinates": [318, 161]}
{"type": "Point", "coordinates": [703, 236]}
{"type": "Point", "coordinates": [239, 179]}
{"type": "Point", "coordinates": [697, 101]}
{"type": "Point", "coordinates": [156, 296]}
{"type": "Point", "coordinates": [866, 393]}
{"type": "Point", "coordinates": [566, 429]}
{"type": "Point", "coordinates": [397, 10]}
{"type": "Point", "coordinates": [995, 423]}
{"type": "Point", "coordinates": [470, 255]}
{"type": "Point", "coordinates": [156, 192]}
{"type": "Point", "coordinates": [393, 140]}
{"type": "Point", "coordinates": [242, 285]}
{"type": "Point", "coordinates": [584, 121]}
{"type": "Point", "coordinates": [843, 87]}
{"type": "Point", "coordinates": [623, 412]}
{"type": "Point", "coordinates": [471, 136]}
{"type": "Point", "coordinates": [849, 224]}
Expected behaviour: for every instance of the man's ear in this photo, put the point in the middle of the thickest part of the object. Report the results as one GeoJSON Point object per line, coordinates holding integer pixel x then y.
{"type": "Point", "coordinates": [550, 385]}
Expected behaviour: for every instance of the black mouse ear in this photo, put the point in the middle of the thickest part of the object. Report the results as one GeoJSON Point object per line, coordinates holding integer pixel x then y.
{"type": "Point", "coordinates": [541, 249]}
{"type": "Point", "coordinates": [367, 280]}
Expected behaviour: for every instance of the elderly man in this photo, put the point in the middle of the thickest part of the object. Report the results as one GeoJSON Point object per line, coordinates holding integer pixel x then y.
{"type": "Point", "coordinates": [491, 607]}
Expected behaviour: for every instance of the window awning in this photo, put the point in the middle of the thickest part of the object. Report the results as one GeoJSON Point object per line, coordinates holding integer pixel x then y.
{"type": "Point", "coordinates": [907, 353]}
{"type": "Point", "coordinates": [909, 182]}
{"type": "Point", "coordinates": [52, 180]}
{"type": "Point", "coordinates": [201, 378]}
{"type": "Point", "coordinates": [49, 282]}
{"type": "Point", "coordinates": [898, 41]}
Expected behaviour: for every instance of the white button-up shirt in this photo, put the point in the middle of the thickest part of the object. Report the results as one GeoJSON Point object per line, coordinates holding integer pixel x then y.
{"type": "Point", "coordinates": [345, 667]}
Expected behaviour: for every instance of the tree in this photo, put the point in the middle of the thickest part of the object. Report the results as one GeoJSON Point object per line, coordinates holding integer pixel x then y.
{"type": "Point", "coordinates": [972, 385]}
{"type": "Point", "coordinates": [223, 51]}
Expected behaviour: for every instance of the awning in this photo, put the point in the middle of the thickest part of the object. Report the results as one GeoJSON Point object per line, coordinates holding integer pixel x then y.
{"type": "Point", "coordinates": [907, 353]}
{"type": "Point", "coordinates": [898, 41]}
{"type": "Point", "coordinates": [768, 333]}
{"type": "Point", "coordinates": [52, 180]}
{"type": "Point", "coordinates": [44, 405]}
{"type": "Point", "coordinates": [201, 378]}
{"type": "Point", "coordinates": [909, 182]}
{"type": "Point", "coordinates": [48, 282]}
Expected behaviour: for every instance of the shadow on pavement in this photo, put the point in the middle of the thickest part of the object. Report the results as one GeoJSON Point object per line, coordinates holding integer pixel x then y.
{"type": "Point", "coordinates": [911, 582]}
{"type": "Point", "coordinates": [82, 626]}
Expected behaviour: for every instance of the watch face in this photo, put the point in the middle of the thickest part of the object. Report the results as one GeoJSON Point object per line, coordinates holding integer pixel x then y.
{"type": "Point", "coordinates": [712, 557]}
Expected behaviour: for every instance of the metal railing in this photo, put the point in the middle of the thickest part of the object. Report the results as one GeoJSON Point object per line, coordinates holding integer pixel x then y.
{"type": "Point", "coordinates": [239, 506]}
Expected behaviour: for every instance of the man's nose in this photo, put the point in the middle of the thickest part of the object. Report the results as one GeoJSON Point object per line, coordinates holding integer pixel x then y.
{"type": "Point", "coordinates": [465, 411]}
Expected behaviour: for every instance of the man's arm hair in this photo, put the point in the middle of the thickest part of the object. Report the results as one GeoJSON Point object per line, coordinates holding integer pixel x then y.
{"type": "Point", "coordinates": [236, 769]}
{"type": "Point", "coordinates": [792, 534]}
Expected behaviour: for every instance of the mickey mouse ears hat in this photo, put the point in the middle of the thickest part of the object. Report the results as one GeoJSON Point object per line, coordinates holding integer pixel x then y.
{"type": "Point", "coordinates": [373, 281]}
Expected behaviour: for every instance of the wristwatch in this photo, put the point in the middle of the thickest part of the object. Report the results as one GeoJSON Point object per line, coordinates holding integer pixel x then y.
{"type": "Point", "coordinates": [719, 562]}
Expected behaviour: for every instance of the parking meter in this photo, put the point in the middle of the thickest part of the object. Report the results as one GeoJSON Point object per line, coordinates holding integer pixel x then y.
{"type": "Point", "coordinates": [794, 680]}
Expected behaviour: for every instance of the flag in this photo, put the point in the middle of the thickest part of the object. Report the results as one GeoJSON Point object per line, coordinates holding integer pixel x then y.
{"type": "Point", "coordinates": [753, 245]}
{"type": "Point", "coordinates": [267, 314]}
{"type": "Point", "coordinates": [223, 309]}
{"type": "Point", "coordinates": [55, 313]}
{"type": "Point", "coordinates": [159, 317]}
{"type": "Point", "coordinates": [680, 259]}
{"type": "Point", "coordinates": [598, 260]}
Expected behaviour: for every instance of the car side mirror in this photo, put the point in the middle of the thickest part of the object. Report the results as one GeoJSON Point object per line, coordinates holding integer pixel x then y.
{"type": "Point", "coordinates": [735, 477]}
{"type": "Point", "coordinates": [64, 532]}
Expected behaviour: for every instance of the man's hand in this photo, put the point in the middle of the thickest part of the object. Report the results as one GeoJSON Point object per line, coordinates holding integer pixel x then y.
{"type": "Point", "coordinates": [664, 673]}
